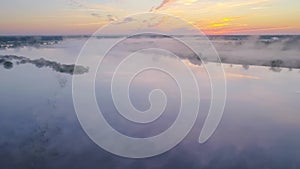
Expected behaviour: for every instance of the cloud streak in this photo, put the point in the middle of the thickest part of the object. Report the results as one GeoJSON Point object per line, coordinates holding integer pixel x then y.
{"type": "Point", "coordinates": [164, 3]}
{"type": "Point", "coordinates": [93, 10]}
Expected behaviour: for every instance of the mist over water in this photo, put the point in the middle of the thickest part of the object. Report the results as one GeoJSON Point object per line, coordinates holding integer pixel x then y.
{"type": "Point", "coordinates": [260, 126]}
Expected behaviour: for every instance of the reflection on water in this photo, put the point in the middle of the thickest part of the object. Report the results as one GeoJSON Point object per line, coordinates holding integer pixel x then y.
{"type": "Point", "coordinates": [58, 67]}
{"type": "Point", "coordinates": [260, 127]}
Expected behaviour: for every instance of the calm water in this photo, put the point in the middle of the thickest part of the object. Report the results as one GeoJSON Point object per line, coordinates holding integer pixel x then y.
{"type": "Point", "coordinates": [39, 128]}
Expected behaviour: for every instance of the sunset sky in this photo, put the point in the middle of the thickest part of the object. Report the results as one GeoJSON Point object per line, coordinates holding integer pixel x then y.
{"type": "Point", "coordinates": [49, 17]}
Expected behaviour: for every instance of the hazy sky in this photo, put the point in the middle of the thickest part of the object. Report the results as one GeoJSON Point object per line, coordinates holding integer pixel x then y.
{"type": "Point", "coordinates": [211, 16]}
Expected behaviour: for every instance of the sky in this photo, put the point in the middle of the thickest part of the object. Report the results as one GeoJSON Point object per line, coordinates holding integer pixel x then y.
{"type": "Point", "coordinates": [71, 17]}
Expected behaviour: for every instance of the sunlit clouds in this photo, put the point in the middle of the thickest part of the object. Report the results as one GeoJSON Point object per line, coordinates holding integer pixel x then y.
{"type": "Point", "coordinates": [212, 17]}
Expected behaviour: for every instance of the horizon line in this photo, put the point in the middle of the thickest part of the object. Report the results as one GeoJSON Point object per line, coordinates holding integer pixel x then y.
{"type": "Point", "coordinates": [74, 35]}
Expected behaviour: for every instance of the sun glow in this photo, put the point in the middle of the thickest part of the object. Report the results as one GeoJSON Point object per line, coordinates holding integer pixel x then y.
{"type": "Point", "coordinates": [213, 17]}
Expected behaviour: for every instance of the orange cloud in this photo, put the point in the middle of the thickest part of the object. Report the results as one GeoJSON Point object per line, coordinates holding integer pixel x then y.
{"type": "Point", "coordinates": [219, 24]}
